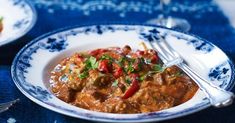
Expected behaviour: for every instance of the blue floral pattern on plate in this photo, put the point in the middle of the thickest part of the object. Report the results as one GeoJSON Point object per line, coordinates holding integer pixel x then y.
{"type": "Point", "coordinates": [220, 73]}
{"type": "Point", "coordinates": [199, 45]}
{"type": "Point", "coordinates": [53, 44]}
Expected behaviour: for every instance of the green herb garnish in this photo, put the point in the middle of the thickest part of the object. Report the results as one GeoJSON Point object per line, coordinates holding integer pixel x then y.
{"type": "Point", "coordinates": [107, 57]}
{"type": "Point", "coordinates": [131, 61]}
{"type": "Point", "coordinates": [142, 77]}
{"type": "Point", "coordinates": [142, 60]}
{"type": "Point", "coordinates": [148, 61]}
{"type": "Point", "coordinates": [140, 64]}
{"type": "Point", "coordinates": [128, 80]}
{"type": "Point", "coordinates": [91, 63]}
{"type": "Point", "coordinates": [178, 74]}
{"type": "Point", "coordinates": [1, 18]}
{"type": "Point", "coordinates": [121, 61]}
{"type": "Point", "coordinates": [115, 83]}
{"type": "Point", "coordinates": [158, 68]}
{"type": "Point", "coordinates": [83, 75]}
{"type": "Point", "coordinates": [70, 71]}
{"type": "Point", "coordinates": [149, 73]}
{"type": "Point", "coordinates": [130, 68]}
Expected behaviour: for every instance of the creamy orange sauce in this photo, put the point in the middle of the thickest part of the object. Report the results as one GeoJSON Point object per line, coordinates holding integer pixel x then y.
{"type": "Point", "coordinates": [119, 80]}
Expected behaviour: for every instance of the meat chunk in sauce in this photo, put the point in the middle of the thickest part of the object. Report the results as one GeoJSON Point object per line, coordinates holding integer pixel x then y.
{"type": "Point", "coordinates": [119, 80]}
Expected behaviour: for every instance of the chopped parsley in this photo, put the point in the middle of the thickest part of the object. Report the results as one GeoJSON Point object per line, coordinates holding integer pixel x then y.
{"type": "Point", "coordinates": [149, 73]}
{"type": "Point", "coordinates": [142, 77]}
{"type": "Point", "coordinates": [91, 63]}
{"type": "Point", "coordinates": [128, 80]}
{"type": "Point", "coordinates": [107, 57]}
{"type": "Point", "coordinates": [121, 61]}
{"type": "Point", "coordinates": [83, 75]}
{"type": "Point", "coordinates": [131, 61]}
{"type": "Point", "coordinates": [157, 68]}
{"type": "Point", "coordinates": [115, 83]}
{"type": "Point", "coordinates": [1, 18]}
{"type": "Point", "coordinates": [140, 64]}
{"type": "Point", "coordinates": [130, 69]}
{"type": "Point", "coordinates": [178, 74]}
{"type": "Point", "coordinates": [147, 61]}
{"type": "Point", "coordinates": [142, 60]}
{"type": "Point", "coordinates": [70, 71]}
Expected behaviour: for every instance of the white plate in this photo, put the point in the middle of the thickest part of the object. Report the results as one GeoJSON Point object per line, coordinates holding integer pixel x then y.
{"type": "Point", "coordinates": [32, 64]}
{"type": "Point", "coordinates": [19, 16]}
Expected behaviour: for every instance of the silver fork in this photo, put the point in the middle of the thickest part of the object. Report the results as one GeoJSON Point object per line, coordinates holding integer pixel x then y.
{"type": "Point", "coordinates": [7, 105]}
{"type": "Point", "coordinates": [217, 96]}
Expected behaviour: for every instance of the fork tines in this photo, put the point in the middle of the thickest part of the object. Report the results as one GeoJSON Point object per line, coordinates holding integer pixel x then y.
{"type": "Point", "coordinates": [7, 105]}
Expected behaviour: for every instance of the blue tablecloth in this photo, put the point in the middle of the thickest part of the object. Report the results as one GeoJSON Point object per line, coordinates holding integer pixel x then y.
{"type": "Point", "coordinates": [206, 18]}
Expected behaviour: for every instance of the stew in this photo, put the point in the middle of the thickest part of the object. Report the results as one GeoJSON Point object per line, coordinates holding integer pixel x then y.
{"type": "Point", "coordinates": [120, 80]}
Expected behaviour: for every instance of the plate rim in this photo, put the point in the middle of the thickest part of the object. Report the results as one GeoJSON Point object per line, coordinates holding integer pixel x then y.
{"type": "Point", "coordinates": [34, 20]}
{"type": "Point", "coordinates": [201, 107]}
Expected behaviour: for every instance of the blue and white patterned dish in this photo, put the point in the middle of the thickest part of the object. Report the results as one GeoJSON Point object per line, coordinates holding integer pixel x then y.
{"type": "Point", "coordinates": [31, 66]}
{"type": "Point", "coordinates": [19, 16]}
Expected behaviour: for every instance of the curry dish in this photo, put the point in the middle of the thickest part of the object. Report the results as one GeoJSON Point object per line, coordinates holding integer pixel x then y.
{"type": "Point", "coordinates": [120, 80]}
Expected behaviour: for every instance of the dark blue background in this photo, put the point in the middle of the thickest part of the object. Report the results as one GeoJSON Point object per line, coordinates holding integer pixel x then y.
{"type": "Point", "coordinates": [208, 22]}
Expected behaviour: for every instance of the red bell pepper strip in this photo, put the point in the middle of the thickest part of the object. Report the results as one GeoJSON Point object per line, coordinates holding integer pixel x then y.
{"type": "Point", "coordinates": [79, 57]}
{"type": "Point", "coordinates": [97, 51]}
{"type": "Point", "coordinates": [104, 66]}
{"type": "Point", "coordinates": [133, 88]}
{"type": "Point", "coordinates": [118, 72]}
{"type": "Point", "coordinates": [139, 52]}
{"type": "Point", "coordinates": [154, 59]}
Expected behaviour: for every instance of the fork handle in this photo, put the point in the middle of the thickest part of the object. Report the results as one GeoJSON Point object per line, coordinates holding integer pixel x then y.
{"type": "Point", "coordinates": [217, 96]}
